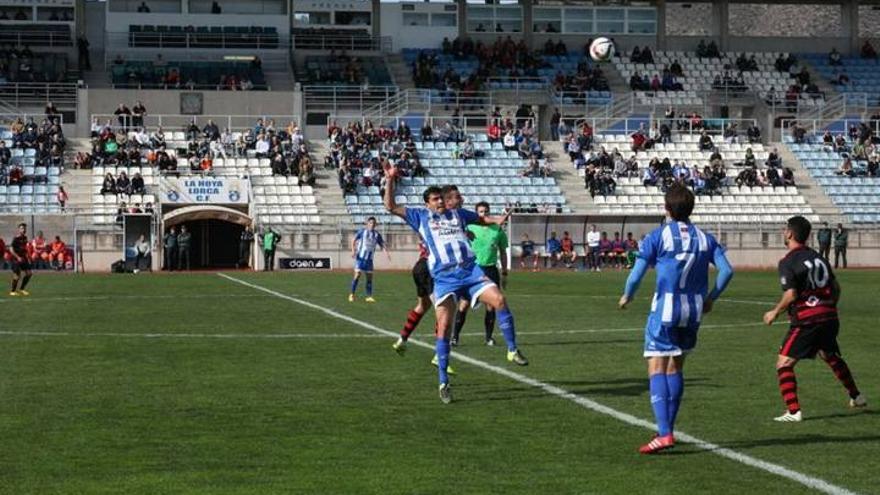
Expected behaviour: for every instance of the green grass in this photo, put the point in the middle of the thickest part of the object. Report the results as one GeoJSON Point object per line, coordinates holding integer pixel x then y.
{"type": "Point", "coordinates": [88, 412]}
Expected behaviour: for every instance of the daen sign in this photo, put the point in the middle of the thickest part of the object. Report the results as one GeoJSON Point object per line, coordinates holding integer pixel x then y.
{"type": "Point", "coordinates": [304, 263]}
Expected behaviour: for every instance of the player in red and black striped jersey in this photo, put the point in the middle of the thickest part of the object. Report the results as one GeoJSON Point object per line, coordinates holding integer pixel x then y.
{"type": "Point", "coordinates": [424, 288]}
{"type": "Point", "coordinates": [20, 262]}
{"type": "Point", "coordinates": [810, 295]}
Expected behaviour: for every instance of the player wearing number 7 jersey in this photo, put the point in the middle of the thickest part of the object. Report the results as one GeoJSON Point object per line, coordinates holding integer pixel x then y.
{"type": "Point", "coordinates": [681, 254]}
{"type": "Point", "coordinates": [810, 294]}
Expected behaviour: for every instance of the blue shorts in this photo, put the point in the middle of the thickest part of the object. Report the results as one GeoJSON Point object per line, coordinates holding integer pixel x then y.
{"type": "Point", "coordinates": [668, 340]}
{"type": "Point", "coordinates": [459, 283]}
{"type": "Point", "coordinates": [363, 265]}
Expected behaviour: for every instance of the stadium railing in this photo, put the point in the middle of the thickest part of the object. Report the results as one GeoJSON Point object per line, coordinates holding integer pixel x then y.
{"type": "Point", "coordinates": [177, 123]}
{"type": "Point", "coordinates": [470, 124]}
{"type": "Point", "coordinates": [816, 127]}
{"type": "Point", "coordinates": [713, 126]}
{"type": "Point", "coordinates": [56, 38]}
{"type": "Point", "coordinates": [352, 43]}
{"type": "Point", "coordinates": [19, 93]}
{"type": "Point", "coordinates": [8, 118]}
{"type": "Point", "coordinates": [349, 97]}
{"type": "Point", "coordinates": [187, 40]}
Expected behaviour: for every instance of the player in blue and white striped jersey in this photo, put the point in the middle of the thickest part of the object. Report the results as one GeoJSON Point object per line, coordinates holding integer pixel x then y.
{"type": "Point", "coordinates": [681, 254]}
{"type": "Point", "coordinates": [454, 269]}
{"type": "Point", "coordinates": [363, 245]}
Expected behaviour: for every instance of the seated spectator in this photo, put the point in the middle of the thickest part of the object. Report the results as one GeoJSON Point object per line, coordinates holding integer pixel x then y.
{"type": "Point", "coordinates": [798, 133]}
{"type": "Point", "coordinates": [553, 249]}
{"type": "Point", "coordinates": [773, 159]}
{"type": "Point", "coordinates": [753, 134]}
{"type": "Point", "coordinates": [137, 184]}
{"type": "Point", "coordinates": [494, 132]}
{"type": "Point", "coordinates": [639, 139]}
{"type": "Point", "coordinates": [123, 184]}
{"type": "Point", "coordinates": [109, 184]}
{"type": "Point", "coordinates": [730, 134]}
{"type": "Point", "coordinates": [834, 58]}
{"type": "Point", "coordinates": [468, 151]}
{"type": "Point", "coordinates": [568, 256]}
{"type": "Point", "coordinates": [868, 51]}
{"type": "Point", "coordinates": [846, 168]}
{"type": "Point", "coordinates": [705, 142]}
{"type": "Point", "coordinates": [509, 140]}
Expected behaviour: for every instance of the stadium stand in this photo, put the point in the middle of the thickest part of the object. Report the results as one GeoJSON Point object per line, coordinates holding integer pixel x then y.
{"type": "Point", "coordinates": [23, 65]}
{"type": "Point", "coordinates": [276, 162]}
{"type": "Point", "coordinates": [449, 156]}
{"type": "Point", "coordinates": [505, 65]}
{"type": "Point", "coordinates": [850, 75]}
{"type": "Point", "coordinates": [846, 165]}
{"type": "Point", "coordinates": [333, 39]}
{"type": "Point", "coordinates": [36, 34]}
{"type": "Point", "coordinates": [31, 163]}
{"type": "Point", "coordinates": [343, 70]}
{"type": "Point", "coordinates": [684, 78]}
{"type": "Point", "coordinates": [728, 191]}
{"type": "Point", "coordinates": [162, 74]}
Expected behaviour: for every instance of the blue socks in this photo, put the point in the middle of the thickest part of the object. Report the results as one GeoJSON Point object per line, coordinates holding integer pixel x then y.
{"type": "Point", "coordinates": [442, 350]}
{"type": "Point", "coordinates": [660, 403]}
{"type": "Point", "coordinates": [505, 323]}
{"type": "Point", "coordinates": [354, 285]}
{"type": "Point", "coordinates": [369, 287]}
{"type": "Point", "coordinates": [675, 386]}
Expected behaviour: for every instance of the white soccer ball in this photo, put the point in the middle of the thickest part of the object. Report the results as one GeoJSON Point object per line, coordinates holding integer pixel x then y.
{"type": "Point", "coordinates": [601, 49]}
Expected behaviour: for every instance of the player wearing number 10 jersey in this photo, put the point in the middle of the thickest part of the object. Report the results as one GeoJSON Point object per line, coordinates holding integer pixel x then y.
{"type": "Point", "coordinates": [810, 294]}
{"type": "Point", "coordinates": [681, 254]}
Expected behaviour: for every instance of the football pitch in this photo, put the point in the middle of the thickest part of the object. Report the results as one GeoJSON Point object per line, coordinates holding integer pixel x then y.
{"type": "Point", "coordinates": [245, 383]}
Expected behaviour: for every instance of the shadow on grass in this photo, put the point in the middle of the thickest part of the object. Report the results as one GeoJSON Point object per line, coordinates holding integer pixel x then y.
{"type": "Point", "coordinates": [583, 342]}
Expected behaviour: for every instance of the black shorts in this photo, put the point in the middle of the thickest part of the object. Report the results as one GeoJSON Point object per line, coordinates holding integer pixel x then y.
{"type": "Point", "coordinates": [21, 266]}
{"type": "Point", "coordinates": [804, 341]}
{"type": "Point", "coordinates": [422, 278]}
{"type": "Point", "coordinates": [492, 273]}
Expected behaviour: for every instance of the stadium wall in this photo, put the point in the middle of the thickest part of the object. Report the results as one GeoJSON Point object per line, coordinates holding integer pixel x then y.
{"type": "Point", "coordinates": [168, 102]}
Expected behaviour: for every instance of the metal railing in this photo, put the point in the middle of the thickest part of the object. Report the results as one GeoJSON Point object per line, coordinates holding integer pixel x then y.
{"type": "Point", "coordinates": [194, 40]}
{"type": "Point", "coordinates": [335, 98]}
{"type": "Point", "coordinates": [17, 93]}
{"type": "Point", "coordinates": [36, 38]}
{"type": "Point", "coordinates": [8, 118]}
{"type": "Point", "coordinates": [188, 87]}
{"type": "Point", "coordinates": [468, 124]}
{"type": "Point", "coordinates": [679, 125]}
{"type": "Point", "coordinates": [816, 127]}
{"type": "Point", "coordinates": [179, 123]}
{"type": "Point", "coordinates": [353, 42]}
{"type": "Point", "coordinates": [428, 101]}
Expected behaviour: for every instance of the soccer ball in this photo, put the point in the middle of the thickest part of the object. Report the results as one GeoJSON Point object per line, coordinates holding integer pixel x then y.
{"type": "Point", "coordinates": [601, 49]}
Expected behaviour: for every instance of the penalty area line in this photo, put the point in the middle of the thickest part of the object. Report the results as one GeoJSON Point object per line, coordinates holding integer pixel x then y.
{"type": "Point", "coordinates": [769, 467]}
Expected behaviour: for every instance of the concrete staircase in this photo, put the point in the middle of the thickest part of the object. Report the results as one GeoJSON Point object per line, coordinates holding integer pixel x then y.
{"type": "Point", "coordinates": [401, 73]}
{"type": "Point", "coordinates": [77, 183]}
{"type": "Point", "coordinates": [811, 191]}
{"type": "Point", "coordinates": [570, 183]}
{"type": "Point", "coordinates": [331, 202]}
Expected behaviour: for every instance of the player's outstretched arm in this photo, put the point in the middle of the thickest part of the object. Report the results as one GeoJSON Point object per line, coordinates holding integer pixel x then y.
{"type": "Point", "coordinates": [633, 281]}
{"type": "Point", "coordinates": [390, 184]}
{"type": "Point", "coordinates": [494, 219]}
{"type": "Point", "coordinates": [725, 274]}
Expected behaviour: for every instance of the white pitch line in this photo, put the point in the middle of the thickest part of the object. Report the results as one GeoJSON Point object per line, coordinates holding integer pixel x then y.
{"type": "Point", "coordinates": [110, 297]}
{"type": "Point", "coordinates": [796, 476]}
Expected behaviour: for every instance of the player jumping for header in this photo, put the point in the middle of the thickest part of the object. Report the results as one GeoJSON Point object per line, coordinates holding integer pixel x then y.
{"type": "Point", "coordinates": [363, 245]}
{"type": "Point", "coordinates": [453, 268]}
{"type": "Point", "coordinates": [681, 254]}
{"type": "Point", "coordinates": [810, 295]}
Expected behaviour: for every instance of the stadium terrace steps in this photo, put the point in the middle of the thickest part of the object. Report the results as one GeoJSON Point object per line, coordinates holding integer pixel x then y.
{"type": "Point", "coordinates": [331, 202]}
{"type": "Point", "coordinates": [570, 183]}
{"type": "Point", "coordinates": [401, 72]}
{"type": "Point", "coordinates": [807, 186]}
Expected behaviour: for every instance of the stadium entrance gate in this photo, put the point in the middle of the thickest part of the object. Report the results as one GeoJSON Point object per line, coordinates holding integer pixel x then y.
{"type": "Point", "coordinates": [215, 230]}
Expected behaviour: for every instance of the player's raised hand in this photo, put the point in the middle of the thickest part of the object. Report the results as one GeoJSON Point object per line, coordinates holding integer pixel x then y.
{"type": "Point", "coordinates": [770, 316]}
{"type": "Point", "coordinates": [624, 301]}
{"type": "Point", "coordinates": [390, 170]}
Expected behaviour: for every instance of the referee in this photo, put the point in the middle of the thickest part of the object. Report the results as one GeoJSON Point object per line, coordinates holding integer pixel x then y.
{"type": "Point", "coordinates": [489, 243]}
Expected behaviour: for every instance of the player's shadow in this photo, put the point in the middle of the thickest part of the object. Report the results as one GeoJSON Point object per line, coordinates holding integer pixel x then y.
{"type": "Point", "coordinates": [584, 342]}
{"type": "Point", "coordinates": [619, 387]}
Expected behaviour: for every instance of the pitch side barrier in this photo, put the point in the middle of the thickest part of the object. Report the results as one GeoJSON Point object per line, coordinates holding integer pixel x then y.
{"type": "Point", "coordinates": [748, 246]}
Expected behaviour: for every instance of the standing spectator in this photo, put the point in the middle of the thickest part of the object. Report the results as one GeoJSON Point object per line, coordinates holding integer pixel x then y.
{"type": "Point", "coordinates": [823, 237]}
{"type": "Point", "coordinates": [170, 244]}
{"type": "Point", "coordinates": [184, 244]}
{"type": "Point", "coordinates": [62, 197]}
{"type": "Point", "coordinates": [270, 241]}
{"type": "Point", "coordinates": [841, 240]}
{"type": "Point", "coordinates": [138, 111]}
{"type": "Point", "coordinates": [593, 237]}
{"type": "Point", "coordinates": [142, 249]}
{"type": "Point", "coordinates": [123, 116]}
{"type": "Point", "coordinates": [554, 124]}
{"type": "Point", "coordinates": [82, 47]}
{"type": "Point", "coordinates": [244, 247]}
